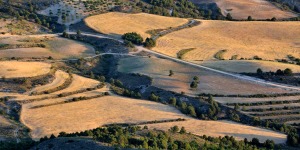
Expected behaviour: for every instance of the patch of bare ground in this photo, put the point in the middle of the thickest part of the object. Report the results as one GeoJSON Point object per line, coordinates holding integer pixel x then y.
{"type": "Point", "coordinates": [210, 82]}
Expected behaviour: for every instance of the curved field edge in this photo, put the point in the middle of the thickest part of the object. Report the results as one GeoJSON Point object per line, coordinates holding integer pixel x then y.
{"type": "Point", "coordinates": [114, 109]}
{"type": "Point", "coordinates": [117, 24]}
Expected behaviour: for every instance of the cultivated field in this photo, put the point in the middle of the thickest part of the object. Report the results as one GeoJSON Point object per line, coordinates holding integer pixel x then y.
{"type": "Point", "coordinates": [117, 24]}
{"type": "Point", "coordinates": [60, 78]}
{"type": "Point", "coordinates": [279, 109]}
{"type": "Point", "coordinates": [70, 48]}
{"type": "Point", "coordinates": [210, 82]}
{"type": "Point", "coordinates": [114, 109]}
{"type": "Point", "coordinates": [17, 69]}
{"type": "Point", "coordinates": [253, 100]}
{"type": "Point", "coordinates": [242, 66]}
{"type": "Point", "coordinates": [43, 46]}
{"type": "Point", "coordinates": [222, 128]}
{"type": "Point", "coordinates": [241, 9]}
{"type": "Point", "coordinates": [267, 40]}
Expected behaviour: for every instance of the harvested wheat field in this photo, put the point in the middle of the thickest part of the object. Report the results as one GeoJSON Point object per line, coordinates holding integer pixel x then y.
{"type": "Point", "coordinates": [27, 53]}
{"type": "Point", "coordinates": [112, 109]}
{"type": "Point", "coordinates": [119, 23]}
{"type": "Point", "coordinates": [210, 82]}
{"type": "Point", "coordinates": [267, 40]}
{"type": "Point", "coordinates": [254, 100]}
{"type": "Point", "coordinates": [242, 66]}
{"type": "Point", "coordinates": [17, 69]}
{"type": "Point", "coordinates": [70, 48]}
{"type": "Point", "coordinates": [60, 78]}
{"type": "Point", "coordinates": [56, 47]}
{"type": "Point", "coordinates": [241, 9]}
{"type": "Point", "coordinates": [79, 83]}
{"type": "Point", "coordinates": [222, 128]}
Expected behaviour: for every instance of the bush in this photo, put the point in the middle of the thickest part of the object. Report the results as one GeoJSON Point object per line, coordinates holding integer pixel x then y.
{"type": "Point", "coordinates": [133, 37]}
{"type": "Point", "coordinates": [149, 43]}
{"type": "Point", "coordinates": [288, 72]}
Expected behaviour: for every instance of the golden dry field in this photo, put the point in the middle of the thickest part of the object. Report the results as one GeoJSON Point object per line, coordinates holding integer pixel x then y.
{"type": "Point", "coordinates": [210, 82]}
{"type": "Point", "coordinates": [60, 78]}
{"type": "Point", "coordinates": [17, 69]}
{"type": "Point", "coordinates": [114, 109]}
{"type": "Point", "coordinates": [116, 24]}
{"type": "Point", "coordinates": [55, 47]}
{"type": "Point", "coordinates": [241, 9]}
{"type": "Point", "coordinates": [222, 128]}
{"type": "Point", "coordinates": [241, 66]}
{"type": "Point", "coordinates": [267, 40]}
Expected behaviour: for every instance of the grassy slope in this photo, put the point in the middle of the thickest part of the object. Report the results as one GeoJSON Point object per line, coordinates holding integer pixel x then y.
{"type": "Point", "coordinates": [210, 82]}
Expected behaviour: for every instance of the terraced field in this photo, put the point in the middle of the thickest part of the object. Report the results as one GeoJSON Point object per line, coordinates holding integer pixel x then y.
{"type": "Point", "coordinates": [60, 79]}
{"type": "Point", "coordinates": [116, 24]}
{"type": "Point", "coordinates": [284, 109]}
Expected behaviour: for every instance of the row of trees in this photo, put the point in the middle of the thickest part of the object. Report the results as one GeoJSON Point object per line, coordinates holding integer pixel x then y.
{"type": "Point", "coordinates": [279, 72]}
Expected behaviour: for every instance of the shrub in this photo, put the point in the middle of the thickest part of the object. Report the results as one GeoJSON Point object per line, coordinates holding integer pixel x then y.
{"type": "Point", "coordinates": [149, 43]}
{"type": "Point", "coordinates": [133, 37]}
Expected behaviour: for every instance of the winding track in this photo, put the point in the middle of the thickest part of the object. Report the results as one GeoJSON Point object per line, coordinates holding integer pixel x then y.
{"type": "Point", "coordinates": [238, 76]}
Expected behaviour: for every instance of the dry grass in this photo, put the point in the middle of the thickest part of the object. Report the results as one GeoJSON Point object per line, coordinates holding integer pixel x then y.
{"type": "Point", "coordinates": [17, 27]}
{"type": "Point", "coordinates": [70, 48]}
{"type": "Point", "coordinates": [210, 82]}
{"type": "Point", "coordinates": [268, 40]}
{"type": "Point", "coordinates": [111, 109]}
{"type": "Point", "coordinates": [16, 69]}
{"type": "Point", "coordinates": [222, 128]}
{"type": "Point", "coordinates": [258, 9]}
{"type": "Point", "coordinates": [60, 78]}
{"type": "Point", "coordinates": [55, 46]}
{"type": "Point", "coordinates": [240, 66]}
{"type": "Point", "coordinates": [119, 23]}
{"type": "Point", "coordinates": [27, 53]}
{"type": "Point", "coordinates": [79, 83]}
{"type": "Point", "coordinates": [253, 100]}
